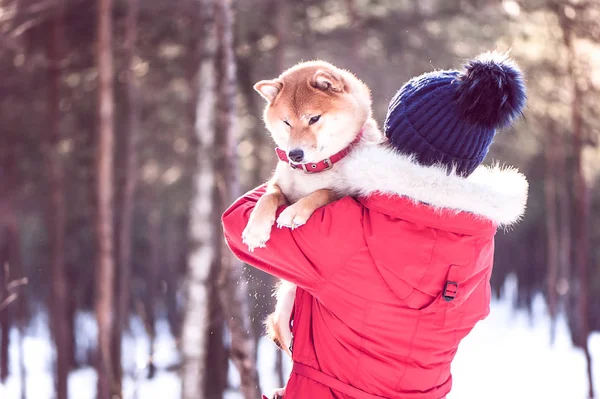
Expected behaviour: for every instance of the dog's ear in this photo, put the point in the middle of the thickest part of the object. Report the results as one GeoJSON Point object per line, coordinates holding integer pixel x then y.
{"type": "Point", "coordinates": [268, 89]}
{"type": "Point", "coordinates": [325, 80]}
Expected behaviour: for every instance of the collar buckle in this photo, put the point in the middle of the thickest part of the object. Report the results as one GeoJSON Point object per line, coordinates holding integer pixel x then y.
{"type": "Point", "coordinates": [298, 166]}
{"type": "Point", "coordinates": [312, 167]}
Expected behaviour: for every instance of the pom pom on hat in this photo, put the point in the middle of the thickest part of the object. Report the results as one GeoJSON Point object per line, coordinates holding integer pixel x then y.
{"type": "Point", "coordinates": [491, 93]}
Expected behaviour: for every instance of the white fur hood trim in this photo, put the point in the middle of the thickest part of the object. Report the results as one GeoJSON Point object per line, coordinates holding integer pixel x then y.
{"type": "Point", "coordinates": [495, 193]}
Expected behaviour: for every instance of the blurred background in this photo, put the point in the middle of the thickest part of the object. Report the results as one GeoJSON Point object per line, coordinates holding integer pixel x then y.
{"type": "Point", "coordinates": [128, 126]}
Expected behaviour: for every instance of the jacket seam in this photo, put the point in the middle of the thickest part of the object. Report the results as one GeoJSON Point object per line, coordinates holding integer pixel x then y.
{"type": "Point", "coordinates": [409, 354]}
{"type": "Point", "coordinates": [362, 340]}
{"type": "Point", "coordinates": [416, 288]}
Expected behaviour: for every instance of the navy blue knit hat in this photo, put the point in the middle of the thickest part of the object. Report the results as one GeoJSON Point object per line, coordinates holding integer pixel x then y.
{"type": "Point", "coordinates": [450, 117]}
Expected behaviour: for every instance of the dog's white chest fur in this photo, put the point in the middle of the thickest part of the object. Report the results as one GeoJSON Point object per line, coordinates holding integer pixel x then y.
{"type": "Point", "coordinates": [296, 184]}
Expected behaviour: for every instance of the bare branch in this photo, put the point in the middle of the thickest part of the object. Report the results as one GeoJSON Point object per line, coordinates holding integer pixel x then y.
{"type": "Point", "coordinates": [11, 287]}
{"type": "Point", "coordinates": [7, 301]}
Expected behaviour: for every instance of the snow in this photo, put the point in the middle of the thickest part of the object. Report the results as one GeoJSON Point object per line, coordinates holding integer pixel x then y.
{"type": "Point", "coordinates": [82, 382]}
{"type": "Point", "coordinates": [508, 355]}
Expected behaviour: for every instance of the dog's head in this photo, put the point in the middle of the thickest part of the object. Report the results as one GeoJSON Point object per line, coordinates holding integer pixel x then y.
{"type": "Point", "coordinates": [314, 110]}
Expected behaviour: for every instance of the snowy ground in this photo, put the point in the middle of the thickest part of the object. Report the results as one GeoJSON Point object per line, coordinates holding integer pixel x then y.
{"type": "Point", "coordinates": [507, 356]}
{"type": "Point", "coordinates": [82, 383]}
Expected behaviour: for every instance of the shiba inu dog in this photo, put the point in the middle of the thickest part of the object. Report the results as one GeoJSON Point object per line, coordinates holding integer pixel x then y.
{"type": "Point", "coordinates": [316, 114]}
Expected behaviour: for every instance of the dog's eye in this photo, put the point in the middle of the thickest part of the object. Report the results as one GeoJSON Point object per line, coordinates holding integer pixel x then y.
{"type": "Point", "coordinates": [287, 123]}
{"type": "Point", "coordinates": [314, 119]}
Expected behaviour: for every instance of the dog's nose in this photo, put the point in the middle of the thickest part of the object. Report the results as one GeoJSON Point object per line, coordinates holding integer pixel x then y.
{"type": "Point", "coordinates": [296, 155]}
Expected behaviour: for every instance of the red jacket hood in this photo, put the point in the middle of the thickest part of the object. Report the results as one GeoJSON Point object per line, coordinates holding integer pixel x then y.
{"type": "Point", "coordinates": [396, 185]}
{"type": "Point", "coordinates": [385, 242]}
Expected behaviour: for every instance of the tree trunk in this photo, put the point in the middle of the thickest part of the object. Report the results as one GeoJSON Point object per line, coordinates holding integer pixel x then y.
{"type": "Point", "coordinates": [564, 206]}
{"type": "Point", "coordinates": [154, 240]}
{"type": "Point", "coordinates": [217, 356]}
{"type": "Point", "coordinates": [104, 193]}
{"type": "Point", "coordinates": [582, 213]}
{"type": "Point", "coordinates": [355, 26]}
{"type": "Point", "coordinates": [71, 311]}
{"type": "Point", "coordinates": [203, 256]}
{"type": "Point", "coordinates": [5, 311]}
{"type": "Point", "coordinates": [57, 210]}
{"type": "Point", "coordinates": [126, 197]}
{"type": "Point", "coordinates": [22, 368]}
{"type": "Point", "coordinates": [282, 27]}
{"type": "Point", "coordinates": [552, 254]}
{"type": "Point", "coordinates": [231, 282]}
{"type": "Point", "coordinates": [582, 198]}
{"type": "Point", "coordinates": [12, 301]}
{"type": "Point", "coordinates": [169, 274]}
{"type": "Point", "coordinates": [19, 311]}
{"type": "Point", "coordinates": [259, 134]}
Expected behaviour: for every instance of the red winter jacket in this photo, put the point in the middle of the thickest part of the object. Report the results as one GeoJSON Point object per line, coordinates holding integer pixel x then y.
{"type": "Point", "coordinates": [387, 285]}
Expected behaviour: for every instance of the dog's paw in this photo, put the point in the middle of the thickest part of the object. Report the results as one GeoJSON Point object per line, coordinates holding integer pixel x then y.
{"type": "Point", "coordinates": [293, 216]}
{"type": "Point", "coordinates": [278, 393]}
{"type": "Point", "coordinates": [256, 234]}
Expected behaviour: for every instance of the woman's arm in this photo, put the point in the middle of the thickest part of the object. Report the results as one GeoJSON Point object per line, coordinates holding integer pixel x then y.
{"type": "Point", "coordinates": [306, 256]}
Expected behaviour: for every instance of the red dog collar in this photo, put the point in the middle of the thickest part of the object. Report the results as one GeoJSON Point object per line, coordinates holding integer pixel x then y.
{"type": "Point", "coordinates": [320, 166]}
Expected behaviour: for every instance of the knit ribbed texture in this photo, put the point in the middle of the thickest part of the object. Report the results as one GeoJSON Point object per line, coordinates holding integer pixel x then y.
{"type": "Point", "coordinates": [423, 120]}
{"type": "Point", "coordinates": [426, 120]}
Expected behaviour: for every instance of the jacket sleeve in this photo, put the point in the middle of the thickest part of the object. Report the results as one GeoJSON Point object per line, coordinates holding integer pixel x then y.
{"type": "Point", "coordinates": [306, 256]}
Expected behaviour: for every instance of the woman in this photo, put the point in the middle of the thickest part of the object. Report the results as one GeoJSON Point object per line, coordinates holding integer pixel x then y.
{"type": "Point", "coordinates": [390, 282]}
